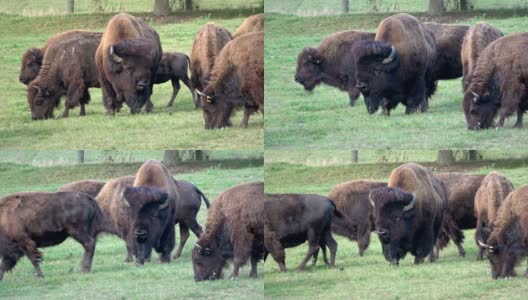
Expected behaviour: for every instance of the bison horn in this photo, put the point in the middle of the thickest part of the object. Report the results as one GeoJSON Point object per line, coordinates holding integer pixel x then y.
{"type": "Point", "coordinates": [410, 205]}
{"type": "Point", "coordinates": [371, 201]}
{"type": "Point", "coordinates": [198, 246]}
{"type": "Point", "coordinates": [391, 56]}
{"type": "Point", "coordinates": [482, 244]}
{"type": "Point", "coordinates": [114, 56]}
{"type": "Point", "coordinates": [165, 204]}
{"type": "Point", "coordinates": [36, 87]}
{"type": "Point", "coordinates": [475, 97]}
{"type": "Point", "coordinates": [200, 93]}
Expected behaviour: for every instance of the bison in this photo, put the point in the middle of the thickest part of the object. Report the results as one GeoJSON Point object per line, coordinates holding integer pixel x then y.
{"type": "Point", "coordinates": [492, 192]}
{"type": "Point", "coordinates": [33, 220]}
{"type": "Point", "coordinates": [351, 198]}
{"type": "Point", "coordinates": [58, 76]}
{"type": "Point", "coordinates": [498, 83]}
{"type": "Point", "coordinates": [331, 63]}
{"type": "Point", "coordinates": [127, 60]}
{"type": "Point", "coordinates": [409, 213]}
{"type": "Point", "coordinates": [173, 66]}
{"type": "Point", "coordinates": [237, 80]}
{"type": "Point", "coordinates": [397, 66]}
{"type": "Point", "coordinates": [251, 24]}
{"type": "Point", "coordinates": [235, 230]}
{"type": "Point", "coordinates": [90, 187]}
{"type": "Point", "coordinates": [506, 245]}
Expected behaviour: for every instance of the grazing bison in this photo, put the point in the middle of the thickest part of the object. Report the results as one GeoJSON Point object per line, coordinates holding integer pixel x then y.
{"type": "Point", "coordinates": [409, 213]}
{"type": "Point", "coordinates": [90, 187]}
{"type": "Point", "coordinates": [351, 198]}
{"type": "Point", "coordinates": [210, 39]}
{"type": "Point", "coordinates": [58, 76]}
{"type": "Point", "coordinates": [397, 66]}
{"type": "Point", "coordinates": [506, 245]}
{"type": "Point", "coordinates": [142, 217]}
{"type": "Point", "coordinates": [235, 230]}
{"type": "Point", "coordinates": [127, 60]}
{"type": "Point", "coordinates": [292, 219]}
{"type": "Point", "coordinates": [492, 192]}
{"type": "Point", "coordinates": [33, 220]}
{"type": "Point", "coordinates": [499, 82]}
{"type": "Point", "coordinates": [331, 63]}
{"type": "Point", "coordinates": [32, 58]}
{"type": "Point", "coordinates": [251, 24]}
{"type": "Point", "coordinates": [237, 80]}
{"type": "Point", "coordinates": [173, 66]}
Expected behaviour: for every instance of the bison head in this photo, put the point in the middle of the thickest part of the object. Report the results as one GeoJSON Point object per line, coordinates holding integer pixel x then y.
{"type": "Point", "coordinates": [208, 260]}
{"type": "Point", "coordinates": [31, 62]}
{"type": "Point", "coordinates": [216, 111]}
{"type": "Point", "coordinates": [394, 211]}
{"type": "Point", "coordinates": [482, 109]}
{"type": "Point", "coordinates": [376, 65]}
{"type": "Point", "coordinates": [42, 99]}
{"type": "Point", "coordinates": [308, 72]}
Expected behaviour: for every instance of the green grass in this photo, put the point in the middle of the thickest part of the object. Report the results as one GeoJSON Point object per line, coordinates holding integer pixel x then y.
{"type": "Point", "coordinates": [179, 127]}
{"type": "Point", "coordinates": [323, 120]}
{"type": "Point", "coordinates": [371, 277]}
{"type": "Point", "coordinates": [111, 278]}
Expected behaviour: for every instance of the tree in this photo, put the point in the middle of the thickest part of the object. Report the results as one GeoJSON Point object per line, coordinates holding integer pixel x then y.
{"type": "Point", "coordinates": [344, 6]}
{"type": "Point", "coordinates": [436, 7]}
{"type": "Point", "coordinates": [445, 157]}
{"type": "Point", "coordinates": [189, 5]}
{"type": "Point", "coordinates": [355, 156]}
{"type": "Point", "coordinates": [161, 8]}
{"type": "Point", "coordinates": [80, 156]}
{"type": "Point", "coordinates": [71, 6]}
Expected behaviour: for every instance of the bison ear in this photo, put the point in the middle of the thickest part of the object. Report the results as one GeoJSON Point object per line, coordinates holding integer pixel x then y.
{"type": "Point", "coordinates": [37, 53]}
{"type": "Point", "coordinates": [314, 56]}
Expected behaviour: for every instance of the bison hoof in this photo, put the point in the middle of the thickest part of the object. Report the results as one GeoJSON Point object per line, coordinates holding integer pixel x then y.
{"type": "Point", "coordinates": [39, 275]}
{"type": "Point", "coordinates": [462, 253]}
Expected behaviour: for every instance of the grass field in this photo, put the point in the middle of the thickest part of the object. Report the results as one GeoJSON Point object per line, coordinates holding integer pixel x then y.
{"type": "Point", "coordinates": [371, 277]}
{"type": "Point", "coordinates": [322, 119]}
{"type": "Point", "coordinates": [111, 278]}
{"type": "Point", "coordinates": [179, 127]}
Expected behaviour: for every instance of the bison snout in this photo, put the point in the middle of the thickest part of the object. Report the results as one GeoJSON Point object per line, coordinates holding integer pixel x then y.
{"type": "Point", "coordinates": [141, 234]}
{"type": "Point", "coordinates": [142, 85]}
{"type": "Point", "coordinates": [299, 79]}
{"type": "Point", "coordinates": [22, 79]}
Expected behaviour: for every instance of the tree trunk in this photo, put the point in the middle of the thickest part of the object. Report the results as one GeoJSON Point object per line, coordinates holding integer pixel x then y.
{"type": "Point", "coordinates": [464, 5]}
{"type": "Point", "coordinates": [80, 156]}
{"type": "Point", "coordinates": [344, 6]}
{"type": "Point", "coordinates": [436, 7]}
{"type": "Point", "coordinates": [199, 155]}
{"type": "Point", "coordinates": [189, 5]}
{"type": "Point", "coordinates": [355, 156]}
{"type": "Point", "coordinates": [161, 8]}
{"type": "Point", "coordinates": [473, 154]}
{"type": "Point", "coordinates": [445, 157]}
{"type": "Point", "coordinates": [71, 6]}
{"type": "Point", "coordinates": [171, 157]}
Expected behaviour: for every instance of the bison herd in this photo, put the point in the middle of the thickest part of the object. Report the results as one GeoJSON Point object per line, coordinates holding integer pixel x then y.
{"type": "Point", "coordinates": [404, 59]}
{"type": "Point", "coordinates": [126, 60]}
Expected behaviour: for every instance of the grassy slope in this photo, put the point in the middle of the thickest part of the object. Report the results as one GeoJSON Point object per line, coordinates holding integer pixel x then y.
{"type": "Point", "coordinates": [178, 127]}
{"type": "Point", "coordinates": [452, 277]}
{"type": "Point", "coordinates": [323, 120]}
{"type": "Point", "coordinates": [111, 277]}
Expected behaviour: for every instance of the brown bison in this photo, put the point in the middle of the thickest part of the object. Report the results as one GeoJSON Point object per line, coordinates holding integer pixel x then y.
{"type": "Point", "coordinates": [498, 83]}
{"type": "Point", "coordinates": [292, 219]}
{"type": "Point", "coordinates": [141, 216]}
{"type": "Point", "coordinates": [331, 63]}
{"type": "Point", "coordinates": [251, 24]}
{"type": "Point", "coordinates": [492, 192]}
{"type": "Point", "coordinates": [58, 76]}
{"type": "Point", "coordinates": [209, 40]}
{"type": "Point", "coordinates": [397, 66]}
{"type": "Point", "coordinates": [128, 59]}
{"type": "Point", "coordinates": [351, 198]}
{"type": "Point", "coordinates": [32, 58]}
{"type": "Point", "coordinates": [237, 80]}
{"type": "Point", "coordinates": [409, 213]}
{"type": "Point", "coordinates": [506, 245]}
{"type": "Point", "coordinates": [33, 220]}
{"type": "Point", "coordinates": [235, 230]}
{"type": "Point", "coordinates": [173, 66]}
{"type": "Point", "coordinates": [90, 187]}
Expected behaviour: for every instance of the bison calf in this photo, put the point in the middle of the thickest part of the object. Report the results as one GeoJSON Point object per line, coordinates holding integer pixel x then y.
{"type": "Point", "coordinates": [173, 66]}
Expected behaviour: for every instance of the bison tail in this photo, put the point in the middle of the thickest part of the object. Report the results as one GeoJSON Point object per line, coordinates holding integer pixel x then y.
{"type": "Point", "coordinates": [205, 200]}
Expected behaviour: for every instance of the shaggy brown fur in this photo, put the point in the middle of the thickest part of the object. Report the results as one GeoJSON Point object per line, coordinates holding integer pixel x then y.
{"type": "Point", "coordinates": [352, 199]}
{"type": "Point", "coordinates": [33, 220]}
{"type": "Point", "coordinates": [58, 76]}
{"type": "Point", "coordinates": [235, 230]}
{"type": "Point", "coordinates": [236, 81]}
{"type": "Point", "coordinates": [173, 66]}
{"type": "Point", "coordinates": [90, 187]}
{"type": "Point", "coordinates": [492, 192]}
{"type": "Point", "coordinates": [251, 24]}
{"type": "Point", "coordinates": [499, 81]}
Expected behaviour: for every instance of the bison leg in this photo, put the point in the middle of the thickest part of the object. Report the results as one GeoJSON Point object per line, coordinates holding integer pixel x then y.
{"type": "Point", "coordinates": [525, 273]}
{"type": "Point", "coordinates": [130, 252]}
{"type": "Point", "coordinates": [253, 273]}
{"type": "Point", "coordinates": [35, 256]}
{"type": "Point", "coordinates": [274, 247]}
{"type": "Point", "coordinates": [353, 94]}
{"type": "Point", "coordinates": [315, 256]}
{"type": "Point", "coordinates": [167, 243]}
{"type": "Point", "coordinates": [175, 89]}
{"type": "Point", "coordinates": [9, 262]}
{"type": "Point", "coordinates": [363, 238]}
{"type": "Point", "coordinates": [184, 235]}
{"type": "Point", "coordinates": [313, 245]}
{"type": "Point", "coordinates": [480, 236]}
{"type": "Point", "coordinates": [195, 227]}
{"type": "Point", "coordinates": [149, 106]}
{"type": "Point", "coordinates": [245, 120]}
{"type": "Point", "coordinates": [74, 96]}
{"type": "Point", "coordinates": [332, 245]}
{"type": "Point", "coordinates": [109, 96]}
{"type": "Point", "coordinates": [188, 83]}
{"type": "Point", "coordinates": [518, 123]}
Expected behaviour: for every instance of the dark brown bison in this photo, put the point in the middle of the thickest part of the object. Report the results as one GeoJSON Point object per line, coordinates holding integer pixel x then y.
{"type": "Point", "coordinates": [58, 76]}
{"type": "Point", "coordinates": [292, 219]}
{"type": "Point", "coordinates": [498, 83]}
{"type": "Point", "coordinates": [141, 216]}
{"type": "Point", "coordinates": [235, 230]}
{"type": "Point", "coordinates": [128, 59]}
{"type": "Point", "coordinates": [409, 213]}
{"type": "Point", "coordinates": [251, 24]}
{"type": "Point", "coordinates": [209, 40]}
{"type": "Point", "coordinates": [397, 66]}
{"type": "Point", "coordinates": [173, 66]}
{"type": "Point", "coordinates": [331, 63]}
{"type": "Point", "coordinates": [34, 220]}
{"type": "Point", "coordinates": [32, 58]}
{"type": "Point", "coordinates": [506, 245]}
{"type": "Point", "coordinates": [492, 192]}
{"type": "Point", "coordinates": [351, 198]}
{"type": "Point", "coordinates": [236, 81]}
{"type": "Point", "coordinates": [90, 187]}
